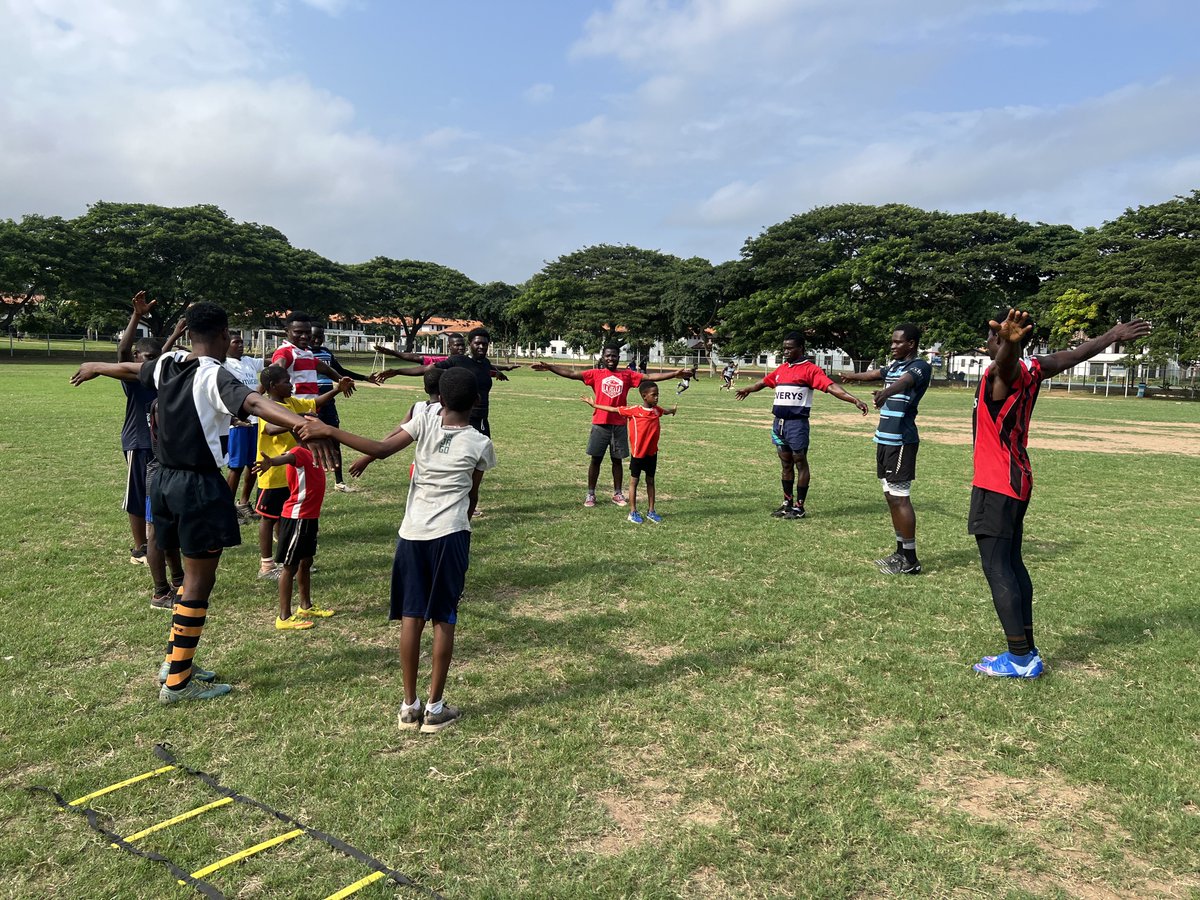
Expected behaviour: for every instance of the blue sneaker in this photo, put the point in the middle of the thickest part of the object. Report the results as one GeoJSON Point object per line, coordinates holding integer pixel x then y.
{"type": "Point", "coordinates": [1008, 666]}
{"type": "Point", "coordinates": [654, 517]}
{"type": "Point", "coordinates": [636, 518]}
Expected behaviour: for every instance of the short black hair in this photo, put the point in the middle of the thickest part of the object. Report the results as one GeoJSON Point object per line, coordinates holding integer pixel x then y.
{"type": "Point", "coordinates": [149, 345]}
{"type": "Point", "coordinates": [646, 387]}
{"type": "Point", "coordinates": [432, 377]}
{"type": "Point", "coordinates": [795, 336]}
{"type": "Point", "coordinates": [479, 332]}
{"type": "Point", "coordinates": [206, 320]}
{"type": "Point", "coordinates": [912, 331]}
{"type": "Point", "coordinates": [297, 316]}
{"type": "Point", "coordinates": [272, 375]}
{"type": "Point", "coordinates": [616, 347]}
{"type": "Point", "coordinates": [458, 389]}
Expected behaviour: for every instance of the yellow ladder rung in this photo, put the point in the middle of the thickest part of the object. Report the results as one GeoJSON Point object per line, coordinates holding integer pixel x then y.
{"type": "Point", "coordinates": [248, 852]}
{"type": "Point", "coordinates": [120, 784]}
{"type": "Point", "coordinates": [357, 886]}
{"type": "Point", "coordinates": [182, 817]}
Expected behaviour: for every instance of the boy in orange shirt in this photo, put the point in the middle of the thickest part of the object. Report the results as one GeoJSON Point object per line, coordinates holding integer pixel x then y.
{"type": "Point", "coordinates": [643, 445]}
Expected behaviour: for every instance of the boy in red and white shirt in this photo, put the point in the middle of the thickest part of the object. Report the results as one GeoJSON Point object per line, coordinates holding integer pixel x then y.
{"type": "Point", "coordinates": [643, 443]}
{"type": "Point", "coordinates": [298, 535]}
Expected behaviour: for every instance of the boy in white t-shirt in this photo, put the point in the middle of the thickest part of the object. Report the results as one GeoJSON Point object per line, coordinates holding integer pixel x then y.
{"type": "Point", "coordinates": [432, 554]}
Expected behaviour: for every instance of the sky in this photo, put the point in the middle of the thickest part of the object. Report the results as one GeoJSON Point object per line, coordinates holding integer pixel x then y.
{"type": "Point", "coordinates": [495, 136]}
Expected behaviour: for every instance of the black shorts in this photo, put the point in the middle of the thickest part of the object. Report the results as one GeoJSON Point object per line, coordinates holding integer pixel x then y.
{"type": "Point", "coordinates": [481, 425]}
{"type": "Point", "coordinates": [329, 414]}
{"type": "Point", "coordinates": [270, 502]}
{"type": "Point", "coordinates": [193, 513]}
{"type": "Point", "coordinates": [995, 515]}
{"type": "Point", "coordinates": [611, 439]}
{"type": "Point", "coordinates": [297, 541]}
{"type": "Point", "coordinates": [428, 577]}
{"type": "Point", "coordinates": [134, 501]}
{"type": "Point", "coordinates": [896, 465]}
{"type": "Point", "coordinates": [643, 465]}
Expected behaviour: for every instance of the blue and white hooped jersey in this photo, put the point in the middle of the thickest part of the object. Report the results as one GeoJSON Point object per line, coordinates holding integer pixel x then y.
{"type": "Point", "coordinates": [898, 417]}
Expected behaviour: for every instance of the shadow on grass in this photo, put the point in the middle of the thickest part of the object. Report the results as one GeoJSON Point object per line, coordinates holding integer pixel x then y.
{"type": "Point", "coordinates": [1120, 631]}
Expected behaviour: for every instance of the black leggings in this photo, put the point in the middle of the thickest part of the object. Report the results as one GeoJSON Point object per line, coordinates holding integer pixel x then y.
{"type": "Point", "coordinates": [1012, 588]}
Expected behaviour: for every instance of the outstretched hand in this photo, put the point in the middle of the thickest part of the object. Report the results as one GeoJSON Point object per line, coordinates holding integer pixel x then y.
{"type": "Point", "coordinates": [1014, 327]}
{"type": "Point", "coordinates": [1131, 331]}
{"type": "Point", "coordinates": [586, 399]}
{"type": "Point", "coordinates": [141, 306]}
{"type": "Point", "coordinates": [540, 367]}
{"type": "Point", "coordinates": [379, 377]}
{"type": "Point", "coordinates": [262, 465]}
{"type": "Point", "coordinates": [879, 401]}
{"type": "Point", "coordinates": [742, 394]}
{"type": "Point", "coordinates": [500, 376]}
{"type": "Point", "coordinates": [324, 452]}
{"type": "Point", "coordinates": [862, 407]}
{"type": "Point", "coordinates": [360, 465]}
{"type": "Point", "coordinates": [85, 372]}
{"type": "Point", "coordinates": [313, 429]}
{"type": "Point", "coordinates": [346, 385]}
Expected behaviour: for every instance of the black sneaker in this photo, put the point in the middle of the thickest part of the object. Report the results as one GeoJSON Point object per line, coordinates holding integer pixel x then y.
{"type": "Point", "coordinates": [411, 719]}
{"type": "Point", "coordinates": [796, 512]}
{"type": "Point", "coordinates": [901, 567]}
{"type": "Point", "coordinates": [435, 722]}
{"type": "Point", "coordinates": [783, 510]}
{"type": "Point", "coordinates": [137, 556]}
{"type": "Point", "coordinates": [896, 557]}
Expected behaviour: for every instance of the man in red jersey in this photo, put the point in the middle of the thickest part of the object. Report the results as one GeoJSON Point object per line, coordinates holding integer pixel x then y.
{"type": "Point", "coordinates": [609, 433]}
{"type": "Point", "coordinates": [1004, 480]}
{"type": "Point", "coordinates": [794, 383]}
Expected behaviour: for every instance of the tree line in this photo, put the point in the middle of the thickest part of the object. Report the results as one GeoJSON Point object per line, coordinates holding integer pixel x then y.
{"type": "Point", "coordinates": [843, 274]}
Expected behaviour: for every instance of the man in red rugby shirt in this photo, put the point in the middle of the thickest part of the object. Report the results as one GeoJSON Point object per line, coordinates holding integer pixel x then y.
{"type": "Point", "coordinates": [794, 383]}
{"type": "Point", "coordinates": [1004, 479]}
{"type": "Point", "coordinates": [609, 433]}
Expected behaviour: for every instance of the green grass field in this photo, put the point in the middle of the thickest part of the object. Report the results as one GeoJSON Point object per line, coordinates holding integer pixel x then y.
{"type": "Point", "coordinates": [723, 705]}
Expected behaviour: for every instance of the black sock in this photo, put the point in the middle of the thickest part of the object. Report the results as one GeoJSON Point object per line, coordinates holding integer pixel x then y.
{"type": "Point", "coordinates": [1018, 646]}
{"type": "Point", "coordinates": [788, 487]}
{"type": "Point", "coordinates": [1029, 639]}
{"type": "Point", "coordinates": [801, 495]}
{"type": "Point", "coordinates": [908, 549]}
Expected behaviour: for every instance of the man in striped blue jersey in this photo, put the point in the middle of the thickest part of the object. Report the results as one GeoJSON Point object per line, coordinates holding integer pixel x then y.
{"type": "Point", "coordinates": [897, 441]}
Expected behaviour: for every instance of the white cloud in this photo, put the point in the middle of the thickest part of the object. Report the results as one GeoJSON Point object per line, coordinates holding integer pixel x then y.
{"type": "Point", "coordinates": [538, 93]}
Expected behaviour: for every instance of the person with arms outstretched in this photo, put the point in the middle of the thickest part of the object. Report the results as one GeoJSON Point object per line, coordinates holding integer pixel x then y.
{"type": "Point", "coordinates": [794, 382]}
{"type": "Point", "coordinates": [1003, 477]}
{"type": "Point", "coordinates": [897, 440]}
{"type": "Point", "coordinates": [609, 434]}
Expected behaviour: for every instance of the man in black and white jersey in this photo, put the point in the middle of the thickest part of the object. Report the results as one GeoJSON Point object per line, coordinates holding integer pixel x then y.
{"type": "Point", "coordinates": [192, 504]}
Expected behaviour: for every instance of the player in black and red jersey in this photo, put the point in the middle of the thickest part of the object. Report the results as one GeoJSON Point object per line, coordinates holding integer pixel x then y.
{"type": "Point", "coordinates": [1003, 478]}
{"type": "Point", "coordinates": [794, 382]}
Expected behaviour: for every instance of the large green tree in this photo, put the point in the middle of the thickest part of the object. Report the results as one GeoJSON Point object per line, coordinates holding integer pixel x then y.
{"type": "Point", "coordinates": [411, 292]}
{"type": "Point", "coordinates": [1144, 263]}
{"type": "Point", "coordinates": [39, 261]}
{"type": "Point", "coordinates": [180, 255]}
{"type": "Point", "coordinates": [846, 275]}
{"type": "Point", "coordinates": [592, 295]}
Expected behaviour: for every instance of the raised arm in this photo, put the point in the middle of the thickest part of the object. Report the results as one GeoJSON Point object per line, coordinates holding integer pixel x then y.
{"type": "Point", "coordinates": [667, 376]}
{"type": "Point", "coordinates": [277, 414]}
{"type": "Point", "coordinates": [1120, 333]}
{"type": "Point", "coordinates": [869, 375]}
{"type": "Point", "coordinates": [140, 308]}
{"type": "Point", "coordinates": [175, 335]}
{"type": "Point", "coordinates": [594, 405]}
{"type": "Point", "coordinates": [388, 351]}
{"type": "Point", "coordinates": [1006, 367]}
{"type": "Point", "coordinates": [268, 461]}
{"type": "Point", "coordinates": [344, 386]}
{"type": "Point", "coordinates": [560, 371]}
{"type": "Point", "coordinates": [122, 371]}
{"type": "Point", "coordinates": [412, 371]}
{"type": "Point", "coordinates": [743, 393]}
{"type": "Point", "coordinates": [332, 375]}
{"type": "Point", "coordinates": [344, 372]}
{"type": "Point", "coordinates": [393, 443]}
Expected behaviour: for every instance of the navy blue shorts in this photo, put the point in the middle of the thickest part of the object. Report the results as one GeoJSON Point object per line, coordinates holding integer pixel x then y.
{"type": "Point", "coordinates": [243, 446]}
{"type": "Point", "coordinates": [790, 434]}
{"type": "Point", "coordinates": [428, 577]}
{"type": "Point", "coordinates": [328, 413]}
